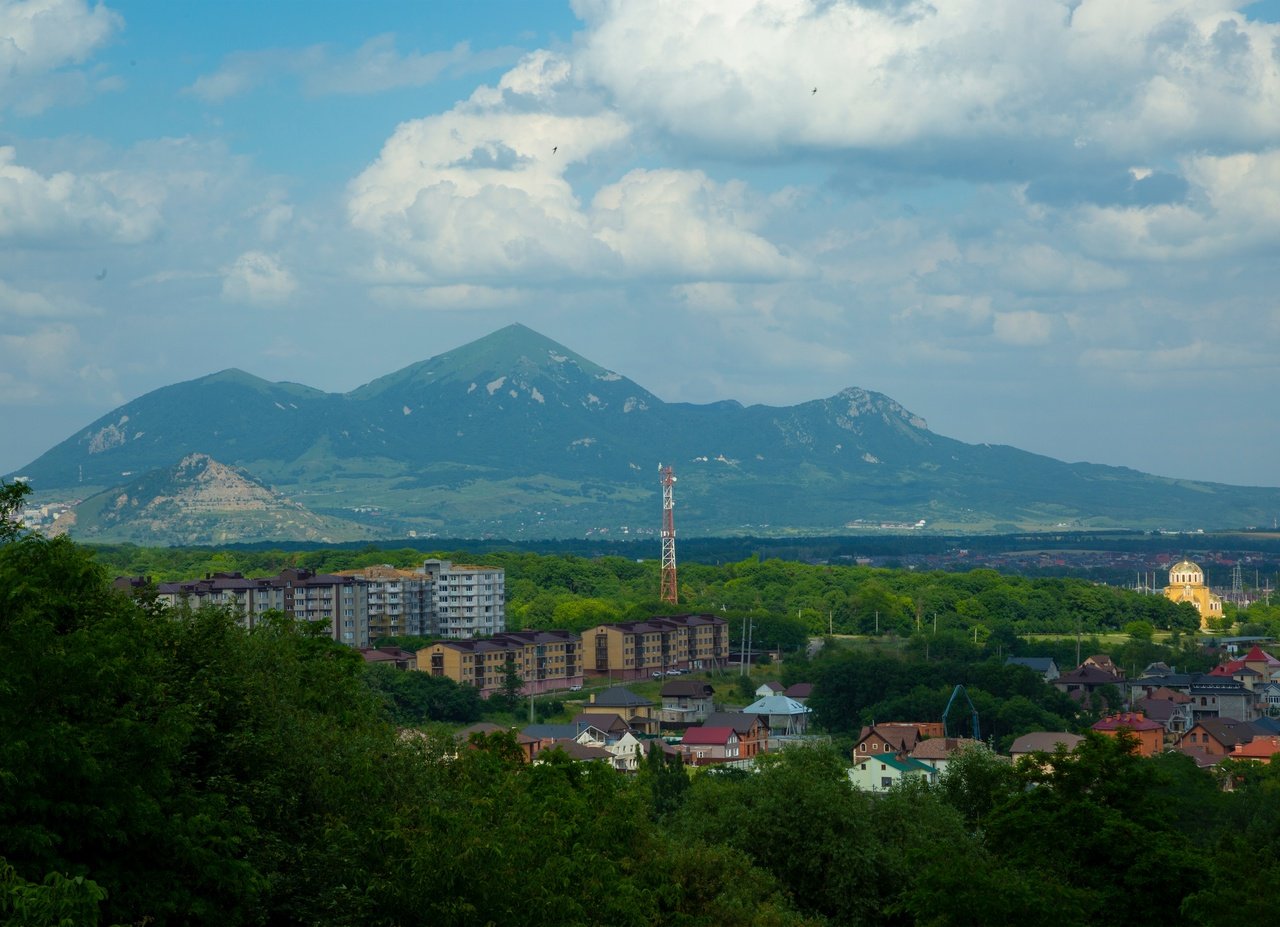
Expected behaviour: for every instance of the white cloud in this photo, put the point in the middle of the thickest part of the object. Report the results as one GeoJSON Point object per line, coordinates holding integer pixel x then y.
{"type": "Point", "coordinates": [479, 193]}
{"type": "Point", "coordinates": [1234, 205]}
{"type": "Point", "coordinates": [1023, 328]}
{"type": "Point", "coordinates": [374, 67]}
{"type": "Point", "coordinates": [259, 279]}
{"type": "Point", "coordinates": [40, 41]}
{"type": "Point", "coordinates": [106, 206]}
{"type": "Point", "coordinates": [681, 223]}
{"type": "Point", "coordinates": [1096, 73]}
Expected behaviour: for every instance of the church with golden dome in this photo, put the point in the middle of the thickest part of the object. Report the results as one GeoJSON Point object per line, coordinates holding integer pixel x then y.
{"type": "Point", "coordinates": [1186, 584]}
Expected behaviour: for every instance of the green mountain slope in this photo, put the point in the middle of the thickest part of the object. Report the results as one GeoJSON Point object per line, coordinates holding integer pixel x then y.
{"type": "Point", "coordinates": [516, 435]}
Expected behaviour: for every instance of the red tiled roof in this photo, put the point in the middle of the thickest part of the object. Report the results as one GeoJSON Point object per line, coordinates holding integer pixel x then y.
{"type": "Point", "coordinates": [708, 736]}
{"type": "Point", "coordinates": [1134, 721]}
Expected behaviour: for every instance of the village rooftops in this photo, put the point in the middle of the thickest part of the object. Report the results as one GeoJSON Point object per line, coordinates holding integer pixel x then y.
{"type": "Point", "coordinates": [898, 761]}
{"type": "Point", "coordinates": [618, 697]}
{"type": "Point", "coordinates": [686, 688]}
{"type": "Point", "coordinates": [1128, 720]}
{"type": "Point", "coordinates": [1044, 742]}
{"type": "Point", "coordinates": [709, 736]}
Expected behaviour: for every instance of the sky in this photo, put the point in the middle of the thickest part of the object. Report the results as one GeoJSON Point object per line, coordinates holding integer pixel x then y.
{"type": "Point", "coordinates": [1053, 224]}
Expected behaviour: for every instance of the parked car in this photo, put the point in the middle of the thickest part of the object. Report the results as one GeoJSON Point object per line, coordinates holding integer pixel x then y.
{"type": "Point", "coordinates": [657, 674]}
{"type": "Point", "coordinates": [575, 688]}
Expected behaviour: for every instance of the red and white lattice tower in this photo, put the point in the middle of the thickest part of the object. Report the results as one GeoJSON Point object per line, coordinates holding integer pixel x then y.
{"type": "Point", "coordinates": [668, 592]}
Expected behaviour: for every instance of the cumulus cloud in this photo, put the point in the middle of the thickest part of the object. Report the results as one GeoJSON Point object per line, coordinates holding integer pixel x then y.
{"type": "Point", "coordinates": [480, 192]}
{"type": "Point", "coordinates": [40, 43]}
{"type": "Point", "coordinates": [1078, 74]}
{"type": "Point", "coordinates": [1234, 205]}
{"type": "Point", "coordinates": [259, 279]}
{"type": "Point", "coordinates": [106, 206]}
{"type": "Point", "coordinates": [376, 66]}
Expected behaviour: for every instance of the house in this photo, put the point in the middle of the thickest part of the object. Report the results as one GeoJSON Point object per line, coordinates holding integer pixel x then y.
{"type": "Point", "coordinates": [705, 745]}
{"type": "Point", "coordinates": [609, 726]}
{"type": "Point", "coordinates": [1045, 667]}
{"type": "Point", "coordinates": [882, 771]}
{"type": "Point", "coordinates": [1221, 697]}
{"type": "Point", "coordinates": [937, 752]}
{"type": "Point", "coordinates": [1217, 736]}
{"type": "Point", "coordinates": [752, 730]}
{"type": "Point", "coordinates": [1043, 742]}
{"type": "Point", "coordinates": [582, 753]}
{"type": "Point", "coordinates": [527, 745]}
{"type": "Point", "coordinates": [785, 716]}
{"type": "Point", "coordinates": [636, 710]}
{"type": "Point", "coordinates": [686, 701]}
{"type": "Point", "coordinates": [1174, 713]}
{"type": "Point", "coordinates": [1084, 682]}
{"type": "Point", "coordinates": [1149, 734]}
{"type": "Point", "coordinates": [1260, 749]}
{"type": "Point", "coordinates": [772, 687]}
{"type": "Point", "coordinates": [1103, 662]}
{"type": "Point", "coordinates": [1267, 698]}
{"type": "Point", "coordinates": [398, 657]}
{"type": "Point", "coordinates": [800, 691]}
{"type": "Point", "coordinates": [893, 736]}
{"type": "Point", "coordinates": [627, 752]}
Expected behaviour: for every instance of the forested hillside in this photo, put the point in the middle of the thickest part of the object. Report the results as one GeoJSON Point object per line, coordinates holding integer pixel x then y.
{"type": "Point", "coordinates": [172, 768]}
{"type": "Point", "coordinates": [573, 592]}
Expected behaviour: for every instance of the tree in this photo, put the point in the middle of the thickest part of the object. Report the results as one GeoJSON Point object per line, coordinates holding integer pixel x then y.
{"type": "Point", "coordinates": [11, 496]}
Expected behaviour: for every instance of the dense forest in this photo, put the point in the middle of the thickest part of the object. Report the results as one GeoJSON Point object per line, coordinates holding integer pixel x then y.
{"type": "Point", "coordinates": [788, 600]}
{"type": "Point", "coordinates": [171, 767]}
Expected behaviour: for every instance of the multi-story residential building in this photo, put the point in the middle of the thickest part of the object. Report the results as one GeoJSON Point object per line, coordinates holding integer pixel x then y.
{"type": "Point", "coordinates": [544, 660]}
{"type": "Point", "coordinates": [636, 649]}
{"type": "Point", "coordinates": [466, 601]}
{"type": "Point", "coordinates": [337, 602]}
{"type": "Point", "coordinates": [359, 606]}
{"type": "Point", "coordinates": [399, 602]}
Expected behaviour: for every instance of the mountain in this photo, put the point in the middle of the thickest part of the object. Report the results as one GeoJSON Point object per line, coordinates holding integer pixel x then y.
{"type": "Point", "coordinates": [515, 435]}
{"type": "Point", "coordinates": [201, 501]}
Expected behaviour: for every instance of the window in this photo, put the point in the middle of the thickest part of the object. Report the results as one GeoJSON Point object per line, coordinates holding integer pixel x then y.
{"type": "Point", "coordinates": [886, 782]}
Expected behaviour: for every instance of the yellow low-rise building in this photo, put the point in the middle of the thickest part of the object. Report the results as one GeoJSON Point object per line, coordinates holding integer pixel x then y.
{"type": "Point", "coordinates": [544, 660]}
{"type": "Point", "coordinates": [637, 649]}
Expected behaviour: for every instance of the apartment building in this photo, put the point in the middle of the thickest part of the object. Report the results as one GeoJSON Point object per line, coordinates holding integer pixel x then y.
{"type": "Point", "coordinates": [544, 660]}
{"type": "Point", "coordinates": [360, 606]}
{"type": "Point", "coordinates": [637, 649]}
{"type": "Point", "coordinates": [338, 602]}
{"type": "Point", "coordinates": [466, 601]}
{"type": "Point", "coordinates": [398, 602]}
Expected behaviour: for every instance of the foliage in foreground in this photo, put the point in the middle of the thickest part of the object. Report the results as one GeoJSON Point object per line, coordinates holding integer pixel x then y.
{"type": "Point", "coordinates": [177, 769]}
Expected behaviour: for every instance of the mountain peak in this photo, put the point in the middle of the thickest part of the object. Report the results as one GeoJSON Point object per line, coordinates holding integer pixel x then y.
{"type": "Point", "coordinates": [515, 351]}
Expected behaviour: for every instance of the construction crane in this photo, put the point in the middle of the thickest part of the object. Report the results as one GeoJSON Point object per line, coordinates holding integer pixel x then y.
{"type": "Point", "coordinates": [977, 735]}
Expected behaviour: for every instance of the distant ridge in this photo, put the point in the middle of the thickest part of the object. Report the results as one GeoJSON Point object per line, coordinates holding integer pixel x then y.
{"type": "Point", "coordinates": [200, 501]}
{"type": "Point", "coordinates": [515, 435]}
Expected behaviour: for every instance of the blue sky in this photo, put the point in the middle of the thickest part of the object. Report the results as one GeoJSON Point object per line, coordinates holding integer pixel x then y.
{"type": "Point", "coordinates": [1054, 224]}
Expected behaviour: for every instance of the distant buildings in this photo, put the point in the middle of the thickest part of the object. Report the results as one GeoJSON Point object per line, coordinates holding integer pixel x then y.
{"type": "Point", "coordinates": [544, 661]}
{"type": "Point", "coordinates": [441, 599]}
{"type": "Point", "coordinates": [638, 649]}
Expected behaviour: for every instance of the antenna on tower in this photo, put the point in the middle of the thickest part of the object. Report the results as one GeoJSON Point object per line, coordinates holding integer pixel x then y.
{"type": "Point", "coordinates": [668, 591]}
